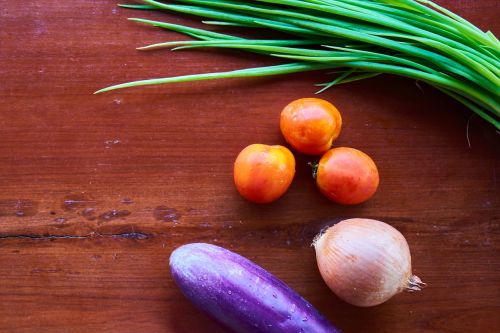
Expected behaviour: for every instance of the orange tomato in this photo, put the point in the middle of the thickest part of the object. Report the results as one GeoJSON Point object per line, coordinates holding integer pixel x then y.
{"type": "Point", "coordinates": [347, 176]}
{"type": "Point", "coordinates": [263, 173]}
{"type": "Point", "coordinates": [310, 125]}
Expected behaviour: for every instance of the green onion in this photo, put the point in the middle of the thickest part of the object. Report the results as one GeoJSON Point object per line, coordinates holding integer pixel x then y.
{"type": "Point", "coordinates": [359, 39]}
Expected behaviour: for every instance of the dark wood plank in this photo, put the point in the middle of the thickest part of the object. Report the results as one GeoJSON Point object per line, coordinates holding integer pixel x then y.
{"type": "Point", "coordinates": [97, 190]}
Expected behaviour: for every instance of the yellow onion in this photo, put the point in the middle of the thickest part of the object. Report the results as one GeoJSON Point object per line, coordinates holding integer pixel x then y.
{"type": "Point", "coordinates": [365, 262]}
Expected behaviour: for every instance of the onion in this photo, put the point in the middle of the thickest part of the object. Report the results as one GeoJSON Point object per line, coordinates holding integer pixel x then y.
{"type": "Point", "coordinates": [365, 262]}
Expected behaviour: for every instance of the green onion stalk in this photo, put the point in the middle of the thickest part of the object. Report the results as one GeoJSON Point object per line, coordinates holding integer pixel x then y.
{"type": "Point", "coordinates": [358, 39]}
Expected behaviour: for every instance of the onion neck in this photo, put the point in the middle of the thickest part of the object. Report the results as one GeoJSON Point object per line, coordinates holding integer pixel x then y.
{"type": "Point", "coordinates": [318, 237]}
{"type": "Point", "coordinates": [414, 284]}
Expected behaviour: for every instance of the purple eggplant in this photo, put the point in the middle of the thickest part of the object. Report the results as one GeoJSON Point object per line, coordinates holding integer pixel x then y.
{"type": "Point", "coordinates": [240, 294]}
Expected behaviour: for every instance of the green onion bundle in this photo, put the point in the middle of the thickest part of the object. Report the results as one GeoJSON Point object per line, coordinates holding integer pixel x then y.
{"type": "Point", "coordinates": [359, 39]}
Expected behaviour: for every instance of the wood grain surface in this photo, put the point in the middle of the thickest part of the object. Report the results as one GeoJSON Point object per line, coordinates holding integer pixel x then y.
{"type": "Point", "coordinates": [97, 190]}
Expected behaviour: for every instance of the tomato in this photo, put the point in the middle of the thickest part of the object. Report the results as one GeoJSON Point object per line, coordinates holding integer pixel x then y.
{"type": "Point", "coordinates": [263, 173]}
{"type": "Point", "coordinates": [310, 125]}
{"type": "Point", "coordinates": [347, 176]}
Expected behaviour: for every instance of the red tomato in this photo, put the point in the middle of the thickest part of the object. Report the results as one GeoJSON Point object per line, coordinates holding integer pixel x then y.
{"type": "Point", "coordinates": [263, 173]}
{"type": "Point", "coordinates": [310, 125]}
{"type": "Point", "coordinates": [347, 176]}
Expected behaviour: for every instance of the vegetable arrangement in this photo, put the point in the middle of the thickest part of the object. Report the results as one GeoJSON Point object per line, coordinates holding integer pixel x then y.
{"type": "Point", "coordinates": [364, 262]}
{"type": "Point", "coordinates": [263, 173]}
{"type": "Point", "coordinates": [358, 39]}
{"type": "Point", "coordinates": [240, 294]}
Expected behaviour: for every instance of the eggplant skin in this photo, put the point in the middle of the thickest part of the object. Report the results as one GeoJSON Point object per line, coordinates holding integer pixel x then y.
{"type": "Point", "coordinates": [240, 294]}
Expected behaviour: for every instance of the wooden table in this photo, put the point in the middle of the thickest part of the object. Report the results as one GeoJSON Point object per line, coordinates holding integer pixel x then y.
{"type": "Point", "coordinates": [97, 190]}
